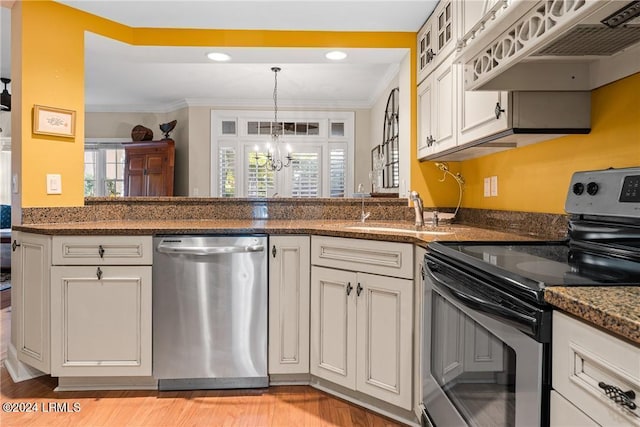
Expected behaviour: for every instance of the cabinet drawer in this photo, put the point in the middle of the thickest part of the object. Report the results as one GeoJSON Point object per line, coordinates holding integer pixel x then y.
{"type": "Point", "coordinates": [102, 250]}
{"type": "Point", "coordinates": [385, 258]}
{"type": "Point", "coordinates": [584, 357]}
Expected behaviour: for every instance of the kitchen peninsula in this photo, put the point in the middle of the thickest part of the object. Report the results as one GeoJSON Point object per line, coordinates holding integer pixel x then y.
{"type": "Point", "coordinates": [332, 223]}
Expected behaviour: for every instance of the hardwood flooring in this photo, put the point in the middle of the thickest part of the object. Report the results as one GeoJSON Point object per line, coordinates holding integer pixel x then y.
{"type": "Point", "coordinates": [276, 406]}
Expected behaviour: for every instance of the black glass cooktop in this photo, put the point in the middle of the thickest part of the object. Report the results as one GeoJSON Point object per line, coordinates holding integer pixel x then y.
{"type": "Point", "coordinates": [531, 267]}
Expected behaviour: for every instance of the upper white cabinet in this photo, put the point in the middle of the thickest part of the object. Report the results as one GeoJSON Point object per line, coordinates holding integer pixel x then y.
{"type": "Point", "coordinates": [437, 110]}
{"type": "Point", "coordinates": [455, 124]}
{"type": "Point", "coordinates": [437, 37]}
{"type": "Point", "coordinates": [289, 276]}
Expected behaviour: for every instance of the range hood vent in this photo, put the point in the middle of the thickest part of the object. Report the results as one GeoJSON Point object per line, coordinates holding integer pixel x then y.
{"type": "Point", "coordinates": [598, 40]}
{"type": "Point", "coordinates": [575, 45]}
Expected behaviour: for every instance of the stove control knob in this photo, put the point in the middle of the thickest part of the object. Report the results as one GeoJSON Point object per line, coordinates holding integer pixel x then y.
{"type": "Point", "coordinates": [578, 188]}
{"type": "Point", "coordinates": [592, 188]}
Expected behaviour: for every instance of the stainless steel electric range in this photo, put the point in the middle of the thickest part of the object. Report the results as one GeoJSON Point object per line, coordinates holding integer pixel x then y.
{"type": "Point", "coordinates": [486, 355]}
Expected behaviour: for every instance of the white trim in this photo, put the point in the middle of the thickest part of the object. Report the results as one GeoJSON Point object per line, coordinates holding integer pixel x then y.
{"type": "Point", "coordinates": [17, 370]}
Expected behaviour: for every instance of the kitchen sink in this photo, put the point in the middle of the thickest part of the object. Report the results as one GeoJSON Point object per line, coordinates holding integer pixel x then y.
{"type": "Point", "coordinates": [374, 228]}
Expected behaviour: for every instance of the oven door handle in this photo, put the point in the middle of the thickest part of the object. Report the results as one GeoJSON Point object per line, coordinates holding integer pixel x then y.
{"type": "Point", "coordinates": [483, 305]}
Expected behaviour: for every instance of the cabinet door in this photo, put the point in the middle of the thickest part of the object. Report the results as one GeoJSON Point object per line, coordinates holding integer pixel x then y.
{"type": "Point", "coordinates": [156, 174]}
{"type": "Point", "coordinates": [477, 109]}
{"type": "Point", "coordinates": [333, 325]}
{"type": "Point", "coordinates": [289, 283]}
{"type": "Point", "coordinates": [101, 321]}
{"type": "Point", "coordinates": [31, 303]}
{"type": "Point", "coordinates": [134, 178]}
{"type": "Point", "coordinates": [426, 50]}
{"type": "Point", "coordinates": [436, 38]}
{"type": "Point", "coordinates": [425, 118]}
{"type": "Point", "coordinates": [448, 338]}
{"type": "Point", "coordinates": [444, 106]}
{"type": "Point", "coordinates": [565, 414]}
{"type": "Point", "coordinates": [384, 336]}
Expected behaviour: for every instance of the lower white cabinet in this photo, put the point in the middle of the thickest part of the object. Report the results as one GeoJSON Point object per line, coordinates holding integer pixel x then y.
{"type": "Point", "coordinates": [361, 332]}
{"type": "Point", "coordinates": [289, 276]}
{"type": "Point", "coordinates": [585, 361]}
{"type": "Point", "coordinates": [31, 263]}
{"type": "Point", "coordinates": [101, 321]}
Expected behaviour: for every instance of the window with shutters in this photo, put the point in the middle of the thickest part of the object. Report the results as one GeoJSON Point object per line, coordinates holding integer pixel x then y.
{"type": "Point", "coordinates": [320, 145]}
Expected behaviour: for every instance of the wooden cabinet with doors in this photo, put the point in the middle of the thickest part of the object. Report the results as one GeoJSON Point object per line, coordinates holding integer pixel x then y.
{"type": "Point", "coordinates": [149, 168]}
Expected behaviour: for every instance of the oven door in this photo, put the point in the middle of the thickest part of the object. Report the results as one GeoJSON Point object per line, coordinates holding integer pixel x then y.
{"type": "Point", "coordinates": [479, 370]}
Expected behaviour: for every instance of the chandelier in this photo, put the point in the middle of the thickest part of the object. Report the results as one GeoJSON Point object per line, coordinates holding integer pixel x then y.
{"type": "Point", "coordinates": [273, 160]}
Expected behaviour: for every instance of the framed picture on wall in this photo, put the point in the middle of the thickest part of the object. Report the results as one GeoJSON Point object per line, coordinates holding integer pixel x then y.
{"type": "Point", "coordinates": [54, 121]}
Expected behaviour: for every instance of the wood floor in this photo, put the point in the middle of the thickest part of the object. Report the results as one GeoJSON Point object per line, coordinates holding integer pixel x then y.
{"type": "Point", "coordinates": [276, 406]}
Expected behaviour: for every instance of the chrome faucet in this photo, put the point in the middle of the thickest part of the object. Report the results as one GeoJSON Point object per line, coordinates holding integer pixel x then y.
{"type": "Point", "coordinates": [417, 205]}
{"type": "Point", "coordinates": [363, 215]}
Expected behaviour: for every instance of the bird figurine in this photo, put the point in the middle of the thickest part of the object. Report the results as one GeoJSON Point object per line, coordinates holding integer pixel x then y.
{"type": "Point", "coordinates": [168, 127]}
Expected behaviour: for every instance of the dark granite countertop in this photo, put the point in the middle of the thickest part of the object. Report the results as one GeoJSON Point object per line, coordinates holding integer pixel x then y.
{"type": "Point", "coordinates": [402, 231]}
{"type": "Point", "coordinates": [614, 308]}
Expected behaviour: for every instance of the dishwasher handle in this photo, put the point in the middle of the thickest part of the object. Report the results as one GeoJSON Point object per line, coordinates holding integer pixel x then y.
{"type": "Point", "coordinates": [208, 250]}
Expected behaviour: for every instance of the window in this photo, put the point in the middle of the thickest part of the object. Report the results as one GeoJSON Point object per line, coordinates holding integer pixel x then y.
{"type": "Point", "coordinates": [320, 145]}
{"type": "Point", "coordinates": [103, 169]}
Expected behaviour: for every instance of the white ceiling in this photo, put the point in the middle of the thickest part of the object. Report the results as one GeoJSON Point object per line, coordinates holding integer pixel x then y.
{"type": "Point", "coordinates": [124, 77]}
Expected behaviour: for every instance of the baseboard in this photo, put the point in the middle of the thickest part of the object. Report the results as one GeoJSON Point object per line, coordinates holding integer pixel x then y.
{"type": "Point", "coordinates": [289, 379]}
{"type": "Point", "coordinates": [17, 370]}
{"type": "Point", "coordinates": [106, 383]}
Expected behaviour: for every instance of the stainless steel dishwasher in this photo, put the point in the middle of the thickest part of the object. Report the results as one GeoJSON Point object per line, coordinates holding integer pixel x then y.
{"type": "Point", "coordinates": [210, 312]}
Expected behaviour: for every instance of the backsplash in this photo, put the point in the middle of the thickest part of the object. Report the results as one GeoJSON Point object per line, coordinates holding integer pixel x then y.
{"type": "Point", "coordinates": [542, 225]}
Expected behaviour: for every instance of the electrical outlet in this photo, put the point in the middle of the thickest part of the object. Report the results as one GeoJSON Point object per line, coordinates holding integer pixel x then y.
{"type": "Point", "coordinates": [54, 183]}
{"type": "Point", "coordinates": [494, 186]}
{"type": "Point", "coordinates": [487, 187]}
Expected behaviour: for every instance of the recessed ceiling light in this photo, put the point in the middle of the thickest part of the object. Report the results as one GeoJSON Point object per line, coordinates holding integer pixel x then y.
{"type": "Point", "coordinates": [218, 56]}
{"type": "Point", "coordinates": [335, 55]}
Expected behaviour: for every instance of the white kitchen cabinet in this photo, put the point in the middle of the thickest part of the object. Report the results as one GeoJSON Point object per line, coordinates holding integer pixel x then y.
{"type": "Point", "coordinates": [361, 323]}
{"type": "Point", "coordinates": [101, 306]}
{"type": "Point", "coordinates": [437, 37]}
{"type": "Point", "coordinates": [101, 321]}
{"type": "Point", "coordinates": [361, 327]}
{"type": "Point", "coordinates": [585, 359]}
{"type": "Point", "coordinates": [289, 287]}
{"type": "Point", "coordinates": [31, 303]}
{"type": "Point", "coordinates": [437, 110]}
{"type": "Point", "coordinates": [565, 414]}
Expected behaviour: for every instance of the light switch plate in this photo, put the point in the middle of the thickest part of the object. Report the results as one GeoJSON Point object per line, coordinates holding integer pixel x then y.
{"type": "Point", "coordinates": [494, 186]}
{"type": "Point", "coordinates": [54, 183]}
{"type": "Point", "coordinates": [487, 187]}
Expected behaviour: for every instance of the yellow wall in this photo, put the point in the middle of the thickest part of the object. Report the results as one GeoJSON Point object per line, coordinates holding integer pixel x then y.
{"type": "Point", "coordinates": [535, 178]}
{"type": "Point", "coordinates": [51, 72]}
{"type": "Point", "coordinates": [48, 69]}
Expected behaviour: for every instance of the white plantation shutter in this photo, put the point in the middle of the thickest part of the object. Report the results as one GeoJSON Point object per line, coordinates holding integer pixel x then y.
{"type": "Point", "coordinates": [337, 171]}
{"type": "Point", "coordinates": [305, 169]}
{"type": "Point", "coordinates": [259, 180]}
{"type": "Point", "coordinates": [227, 172]}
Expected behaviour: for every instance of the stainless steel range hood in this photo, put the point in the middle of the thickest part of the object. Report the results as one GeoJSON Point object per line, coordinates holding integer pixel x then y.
{"type": "Point", "coordinates": [552, 45]}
